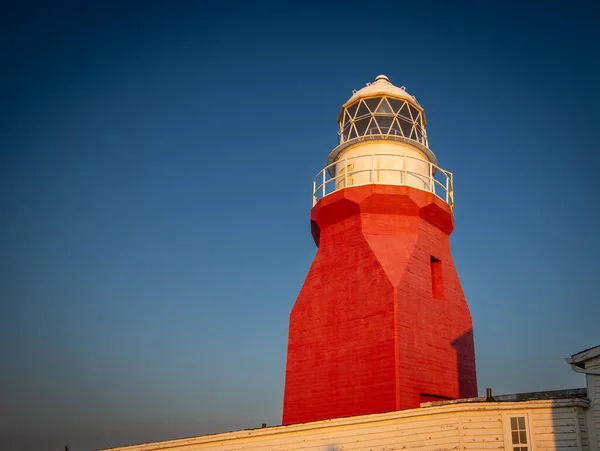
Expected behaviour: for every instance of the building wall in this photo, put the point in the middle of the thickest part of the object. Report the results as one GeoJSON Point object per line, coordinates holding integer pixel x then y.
{"type": "Point", "coordinates": [558, 429]}
{"type": "Point", "coordinates": [367, 333]}
{"type": "Point", "coordinates": [583, 429]}
{"type": "Point", "coordinates": [593, 387]}
{"type": "Point", "coordinates": [552, 425]}
{"type": "Point", "coordinates": [388, 160]}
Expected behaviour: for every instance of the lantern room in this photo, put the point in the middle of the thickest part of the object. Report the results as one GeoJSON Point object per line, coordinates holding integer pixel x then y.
{"type": "Point", "coordinates": [383, 139]}
{"type": "Point", "coordinates": [382, 109]}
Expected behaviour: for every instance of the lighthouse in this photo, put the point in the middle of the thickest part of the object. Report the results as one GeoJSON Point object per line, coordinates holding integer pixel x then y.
{"type": "Point", "coordinates": [381, 322]}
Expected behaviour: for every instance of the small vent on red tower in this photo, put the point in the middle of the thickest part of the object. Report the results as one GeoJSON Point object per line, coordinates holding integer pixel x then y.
{"type": "Point", "coordinates": [437, 279]}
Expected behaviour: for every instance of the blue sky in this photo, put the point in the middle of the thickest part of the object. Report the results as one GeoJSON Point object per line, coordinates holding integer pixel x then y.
{"type": "Point", "coordinates": [155, 172]}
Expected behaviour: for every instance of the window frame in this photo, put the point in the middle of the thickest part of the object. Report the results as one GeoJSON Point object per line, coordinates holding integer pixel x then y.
{"type": "Point", "coordinates": [417, 131]}
{"type": "Point", "coordinates": [436, 267]}
{"type": "Point", "coordinates": [508, 444]}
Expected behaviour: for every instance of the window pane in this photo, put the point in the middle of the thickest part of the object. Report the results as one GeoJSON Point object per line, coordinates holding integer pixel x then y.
{"type": "Point", "coordinates": [406, 129]}
{"type": "Point", "coordinates": [395, 104]}
{"type": "Point", "coordinates": [361, 125]}
{"type": "Point", "coordinates": [373, 129]}
{"type": "Point", "coordinates": [404, 111]}
{"type": "Point", "coordinates": [513, 423]}
{"type": "Point", "coordinates": [521, 422]}
{"type": "Point", "coordinates": [420, 121]}
{"type": "Point", "coordinates": [347, 118]}
{"type": "Point", "coordinates": [515, 438]}
{"type": "Point", "coordinates": [385, 122]}
{"type": "Point", "coordinates": [352, 133]}
{"type": "Point", "coordinates": [352, 109]}
{"type": "Point", "coordinates": [346, 131]}
{"type": "Point", "coordinates": [413, 133]}
{"type": "Point", "coordinates": [362, 109]}
{"type": "Point", "coordinates": [523, 436]}
{"type": "Point", "coordinates": [384, 108]}
{"type": "Point", "coordinates": [418, 134]}
{"type": "Point", "coordinates": [372, 103]}
{"type": "Point", "coordinates": [415, 112]}
{"type": "Point", "coordinates": [395, 129]}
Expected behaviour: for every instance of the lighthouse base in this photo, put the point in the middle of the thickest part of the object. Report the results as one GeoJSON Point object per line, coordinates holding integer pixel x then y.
{"type": "Point", "coordinates": [381, 322]}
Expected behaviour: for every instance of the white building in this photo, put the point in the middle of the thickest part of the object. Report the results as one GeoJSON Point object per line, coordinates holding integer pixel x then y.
{"type": "Point", "coordinates": [588, 362]}
{"type": "Point", "coordinates": [556, 420]}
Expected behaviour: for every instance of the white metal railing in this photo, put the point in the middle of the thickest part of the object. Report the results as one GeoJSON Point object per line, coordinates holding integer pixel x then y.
{"type": "Point", "coordinates": [384, 169]}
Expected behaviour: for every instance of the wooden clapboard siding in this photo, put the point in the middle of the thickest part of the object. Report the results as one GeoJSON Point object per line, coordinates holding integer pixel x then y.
{"type": "Point", "coordinates": [553, 425]}
{"type": "Point", "coordinates": [585, 443]}
{"type": "Point", "coordinates": [594, 415]}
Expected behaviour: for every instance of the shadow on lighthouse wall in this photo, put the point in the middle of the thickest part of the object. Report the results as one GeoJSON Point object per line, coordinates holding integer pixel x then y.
{"type": "Point", "coordinates": [464, 348]}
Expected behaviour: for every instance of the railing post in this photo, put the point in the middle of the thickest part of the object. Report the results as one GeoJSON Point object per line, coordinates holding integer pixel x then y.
{"type": "Point", "coordinates": [404, 181]}
{"type": "Point", "coordinates": [324, 172]}
{"type": "Point", "coordinates": [346, 173]}
{"type": "Point", "coordinates": [314, 194]}
{"type": "Point", "coordinates": [431, 187]}
{"type": "Point", "coordinates": [447, 190]}
{"type": "Point", "coordinates": [372, 168]}
{"type": "Point", "coordinates": [452, 190]}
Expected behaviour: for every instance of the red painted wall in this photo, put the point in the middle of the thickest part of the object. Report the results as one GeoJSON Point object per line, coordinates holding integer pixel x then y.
{"type": "Point", "coordinates": [366, 333]}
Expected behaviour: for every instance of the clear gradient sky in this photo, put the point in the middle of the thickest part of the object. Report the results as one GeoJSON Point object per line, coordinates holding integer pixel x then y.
{"type": "Point", "coordinates": [155, 175]}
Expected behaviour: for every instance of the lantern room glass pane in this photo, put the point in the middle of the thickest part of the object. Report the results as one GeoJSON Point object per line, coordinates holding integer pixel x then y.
{"type": "Point", "coordinates": [395, 104]}
{"type": "Point", "coordinates": [414, 111]}
{"type": "Point", "coordinates": [385, 122]}
{"type": "Point", "coordinates": [352, 109]}
{"type": "Point", "coordinates": [362, 109]}
{"type": "Point", "coordinates": [395, 129]}
{"type": "Point", "coordinates": [405, 112]}
{"type": "Point", "coordinates": [352, 133]}
{"type": "Point", "coordinates": [406, 127]}
{"type": "Point", "coordinates": [373, 129]}
{"type": "Point", "coordinates": [420, 121]}
{"type": "Point", "coordinates": [361, 125]}
{"type": "Point", "coordinates": [347, 118]}
{"type": "Point", "coordinates": [384, 107]}
{"type": "Point", "coordinates": [346, 132]}
{"type": "Point", "coordinates": [418, 135]}
{"type": "Point", "coordinates": [372, 103]}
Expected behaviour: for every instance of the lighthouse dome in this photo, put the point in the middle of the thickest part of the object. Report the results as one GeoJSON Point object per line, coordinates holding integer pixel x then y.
{"type": "Point", "coordinates": [382, 86]}
{"type": "Point", "coordinates": [379, 112]}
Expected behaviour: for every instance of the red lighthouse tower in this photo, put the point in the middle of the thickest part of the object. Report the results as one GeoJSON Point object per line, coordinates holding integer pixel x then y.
{"type": "Point", "coordinates": [381, 322]}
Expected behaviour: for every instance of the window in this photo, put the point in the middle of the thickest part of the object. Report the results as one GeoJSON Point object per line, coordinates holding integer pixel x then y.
{"type": "Point", "coordinates": [383, 116]}
{"type": "Point", "coordinates": [518, 434]}
{"type": "Point", "coordinates": [437, 279]}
